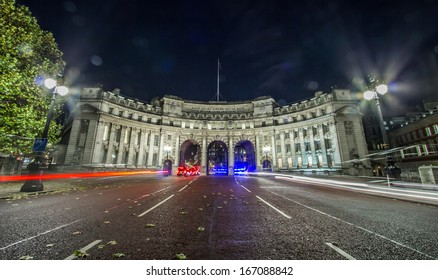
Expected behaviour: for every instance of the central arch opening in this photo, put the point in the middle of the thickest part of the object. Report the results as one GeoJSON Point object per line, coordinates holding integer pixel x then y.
{"type": "Point", "coordinates": [190, 154]}
{"type": "Point", "coordinates": [217, 158]}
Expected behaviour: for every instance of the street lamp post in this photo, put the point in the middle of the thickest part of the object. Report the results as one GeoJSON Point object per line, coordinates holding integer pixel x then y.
{"type": "Point", "coordinates": [167, 149]}
{"type": "Point", "coordinates": [35, 167]}
{"type": "Point", "coordinates": [390, 169]}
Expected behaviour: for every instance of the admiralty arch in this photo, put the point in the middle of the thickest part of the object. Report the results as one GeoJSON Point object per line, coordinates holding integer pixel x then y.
{"type": "Point", "coordinates": [320, 134]}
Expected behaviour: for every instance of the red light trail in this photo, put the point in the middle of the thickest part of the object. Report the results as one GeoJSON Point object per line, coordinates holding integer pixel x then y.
{"type": "Point", "coordinates": [12, 178]}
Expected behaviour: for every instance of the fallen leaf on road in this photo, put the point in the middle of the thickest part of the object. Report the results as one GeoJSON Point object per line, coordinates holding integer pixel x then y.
{"type": "Point", "coordinates": [106, 222]}
{"type": "Point", "coordinates": [112, 242]}
{"type": "Point", "coordinates": [118, 255]}
{"type": "Point", "coordinates": [80, 254]}
{"type": "Point", "coordinates": [201, 229]}
{"type": "Point", "coordinates": [76, 232]}
{"type": "Point", "coordinates": [26, 258]}
{"type": "Point", "coordinates": [150, 225]}
{"type": "Point", "coordinates": [181, 256]}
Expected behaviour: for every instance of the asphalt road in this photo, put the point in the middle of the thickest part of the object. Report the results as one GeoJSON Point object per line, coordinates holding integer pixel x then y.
{"type": "Point", "coordinates": [207, 217]}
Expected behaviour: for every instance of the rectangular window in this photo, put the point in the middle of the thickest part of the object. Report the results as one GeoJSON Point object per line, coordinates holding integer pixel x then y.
{"type": "Point", "coordinates": [154, 159]}
{"type": "Point", "coordinates": [435, 128]}
{"type": "Point", "coordinates": [425, 150]}
{"type": "Point", "coordinates": [286, 135]}
{"type": "Point", "coordinates": [155, 140]}
{"type": "Point", "coordinates": [297, 148]}
{"type": "Point", "coordinates": [288, 148]}
{"type": "Point", "coordinates": [327, 143]}
{"type": "Point", "coordinates": [308, 148]}
{"type": "Point", "coordinates": [118, 134]}
{"type": "Point", "coordinates": [278, 147]}
{"type": "Point", "coordinates": [428, 131]}
{"type": "Point", "coordinates": [317, 145]}
{"type": "Point", "coordinates": [169, 137]}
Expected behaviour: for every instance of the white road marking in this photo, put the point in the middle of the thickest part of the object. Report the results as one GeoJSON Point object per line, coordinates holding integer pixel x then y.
{"type": "Point", "coordinates": [241, 185]}
{"type": "Point", "coordinates": [244, 188]}
{"type": "Point", "coordinates": [273, 207]}
{"type": "Point", "coordinates": [356, 226]}
{"type": "Point", "coordinates": [84, 250]}
{"type": "Point", "coordinates": [183, 188]}
{"type": "Point", "coordinates": [152, 208]}
{"type": "Point", "coordinates": [343, 185]}
{"type": "Point", "coordinates": [149, 194]}
{"type": "Point", "coordinates": [39, 234]}
{"type": "Point", "coordinates": [340, 251]}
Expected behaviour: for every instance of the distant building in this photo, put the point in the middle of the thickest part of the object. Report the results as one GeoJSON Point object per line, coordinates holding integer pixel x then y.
{"type": "Point", "coordinates": [319, 135]}
{"type": "Point", "coordinates": [417, 140]}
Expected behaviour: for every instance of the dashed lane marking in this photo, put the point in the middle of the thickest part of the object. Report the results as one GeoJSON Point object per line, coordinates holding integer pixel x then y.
{"type": "Point", "coordinates": [340, 251]}
{"type": "Point", "coordinates": [273, 207]}
{"type": "Point", "coordinates": [356, 226]}
{"type": "Point", "coordinates": [152, 208]}
{"type": "Point", "coordinates": [84, 250]}
{"type": "Point", "coordinates": [39, 234]}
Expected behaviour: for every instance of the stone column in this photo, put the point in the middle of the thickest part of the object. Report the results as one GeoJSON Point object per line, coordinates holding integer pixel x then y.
{"type": "Point", "coordinates": [98, 147]}
{"type": "Point", "coordinates": [176, 163]}
{"type": "Point", "coordinates": [72, 141]}
{"type": "Point", "coordinates": [293, 153]}
{"type": "Point", "coordinates": [258, 147]}
{"type": "Point", "coordinates": [283, 150]}
{"type": "Point", "coordinates": [141, 148]}
{"type": "Point", "coordinates": [230, 155]}
{"type": "Point", "coordinates": [151, 148]}
{"type": "Point", "coordinates": [274, 152]}
{"type": "Point", "coordinates": [204, 154]}
{"type": "Point", "coordinates": [312, 147]}
{"type": "Point", "coordinates": [323, 147]}
{"type": "Point", "coordinates": [335, 143]}
{"type": "Point", "coordinates": [121, 144]}
{"type": "Point", "coordinates": [109, 156]}
{"type": "Point", "coordinates": [303, 148]}
{"type": "Point", "coordinates": [132, 152]}
{"type": "Point", "coordinates": [161, 150]}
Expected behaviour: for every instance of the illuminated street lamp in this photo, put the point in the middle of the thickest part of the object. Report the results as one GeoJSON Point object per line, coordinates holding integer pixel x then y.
{"type": "Point", "coordinates": [35, 167]}
{"type": "Point", "coordinates": [167, 149]}
{"type": "Point", "coordinates": [381, 89]}
{"type": "Point", "coordinates": [369, 95]}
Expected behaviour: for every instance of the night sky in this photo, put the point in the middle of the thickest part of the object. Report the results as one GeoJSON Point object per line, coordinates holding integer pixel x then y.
{"type": "Point", "coordinates": [285, 49]}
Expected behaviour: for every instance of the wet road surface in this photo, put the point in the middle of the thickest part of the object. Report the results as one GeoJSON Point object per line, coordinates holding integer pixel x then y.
{"type": "Point", "coordinates": [207, 217]}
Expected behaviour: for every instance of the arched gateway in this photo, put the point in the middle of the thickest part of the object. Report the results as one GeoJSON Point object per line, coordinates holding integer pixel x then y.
{"type": "Point", "coordinates": [108, 130]}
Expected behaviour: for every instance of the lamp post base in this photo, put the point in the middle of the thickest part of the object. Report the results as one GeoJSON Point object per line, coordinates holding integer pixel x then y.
{"type": "Point", "coordinates": [35, 185]}
{"type": "Point", "coordinates": [392, 170]}
{"type": "Point", "coordinates": [32, 186]}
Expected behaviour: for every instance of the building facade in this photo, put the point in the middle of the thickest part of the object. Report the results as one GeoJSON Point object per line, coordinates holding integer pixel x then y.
{"type": "Point", "coordinates": [417, 139]}
{"type": "Point", "coordinates": [321, 134]}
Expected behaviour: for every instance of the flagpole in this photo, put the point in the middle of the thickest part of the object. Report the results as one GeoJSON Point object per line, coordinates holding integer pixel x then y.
{"type": "Point", "coordinates": [218, 67]}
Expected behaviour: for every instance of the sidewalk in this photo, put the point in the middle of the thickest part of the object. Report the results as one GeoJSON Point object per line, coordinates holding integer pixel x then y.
{"type": "Point", "coordinates": [11, 190]}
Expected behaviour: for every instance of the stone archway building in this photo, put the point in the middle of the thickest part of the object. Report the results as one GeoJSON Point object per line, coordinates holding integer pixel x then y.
{"type": "Point", "coordinates": [320, 134]}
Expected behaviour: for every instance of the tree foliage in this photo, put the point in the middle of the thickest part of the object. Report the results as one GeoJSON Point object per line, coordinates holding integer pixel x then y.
{"type": "Point", "coordinates": [28, 55]}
